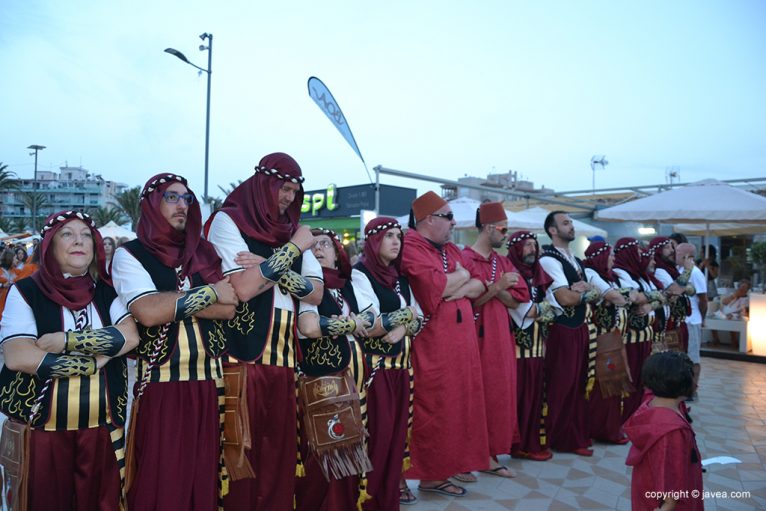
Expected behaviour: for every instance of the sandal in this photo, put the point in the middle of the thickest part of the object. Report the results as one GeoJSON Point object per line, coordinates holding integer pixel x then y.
{"type": "Point", "coordinates": [465, 477]}
{"type": "Point", "coordinates": [442, 489]}
{"type": "Point", "coordinates": [406, 497]}
{"type": "Point", "coordinates": [498, 471]}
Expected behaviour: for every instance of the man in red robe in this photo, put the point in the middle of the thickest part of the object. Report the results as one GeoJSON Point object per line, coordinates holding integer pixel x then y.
{"type": "Point", "coordinates": [449, 431]}
{"type": "Point", "coordinates": [497, 348]}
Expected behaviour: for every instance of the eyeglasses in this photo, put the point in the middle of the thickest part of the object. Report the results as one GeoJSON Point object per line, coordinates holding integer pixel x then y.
{"type": "Point", "coordinates": [323, 244]}
{"type": "Point", "coordinates": [447, 216]}
{"type": "Point", "coordinates": [503, 230]}
{"type": "Point", "coordinates": [174, 197]}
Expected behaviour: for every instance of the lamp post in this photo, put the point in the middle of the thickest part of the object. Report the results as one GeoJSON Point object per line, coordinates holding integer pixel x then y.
{"type": "Point", "coordinates": [209, 72]}
{"type": "Point", "coordinates": [597, 160]}
{"type": "Point", "coordinates": [35, 148]}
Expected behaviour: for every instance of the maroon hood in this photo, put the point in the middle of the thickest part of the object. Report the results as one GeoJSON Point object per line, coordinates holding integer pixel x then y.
{"type": "Point", "coordinates": [648, 425]}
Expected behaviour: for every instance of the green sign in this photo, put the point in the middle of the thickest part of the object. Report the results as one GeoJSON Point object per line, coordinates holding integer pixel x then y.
{"type": "Point", "coordinates": [316, 201]}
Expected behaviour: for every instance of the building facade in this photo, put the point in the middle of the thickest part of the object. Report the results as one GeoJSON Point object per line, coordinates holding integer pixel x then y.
{"type": "Point", "coordinates": [71, 188]}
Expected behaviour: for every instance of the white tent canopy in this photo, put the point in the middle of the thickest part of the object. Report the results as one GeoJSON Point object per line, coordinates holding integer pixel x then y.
{"type": "Point", "coordinates": [532, 219]}
{"type": "Point", "coordinates": [115, 231]}
{"type": "Point", "coordinates": [707, 201]}
{"type": "Point", "coordinates": [719, 229]}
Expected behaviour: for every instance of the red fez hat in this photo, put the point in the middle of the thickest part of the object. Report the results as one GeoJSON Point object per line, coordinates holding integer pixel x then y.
{"type": "Point", "coordinates": [427, 204]}
{"type": "Point", "coordinates": [491, 212]}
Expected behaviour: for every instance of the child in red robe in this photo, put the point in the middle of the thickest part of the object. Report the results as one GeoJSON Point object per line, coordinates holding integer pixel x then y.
{"type": "Point", "coordinates": [667, 468]}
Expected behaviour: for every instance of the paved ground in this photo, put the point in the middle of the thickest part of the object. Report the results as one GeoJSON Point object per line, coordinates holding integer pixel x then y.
{"type": "Point", "coordinates": [729, 419]}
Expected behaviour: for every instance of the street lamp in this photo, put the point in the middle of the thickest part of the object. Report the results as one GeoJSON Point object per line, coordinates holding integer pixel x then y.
{"type": "Point", "coordinates": [595, 161]}
{"type": "Point", "coordinates": [209, 72]}
{"type": "Point", "coordinates": [35, 148]}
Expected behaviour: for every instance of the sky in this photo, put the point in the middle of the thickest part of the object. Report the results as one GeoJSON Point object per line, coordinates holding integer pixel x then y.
{"type": "Point", "coordinates": [446, 89]}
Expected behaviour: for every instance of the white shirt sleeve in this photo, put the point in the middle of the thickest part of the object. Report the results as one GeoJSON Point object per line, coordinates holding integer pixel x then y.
{"type": "Point", "coordinates": [117, 311]}
{"type": "Point", "coordinates": [18, 318]}
{"type": "Point", "coordinates": [698, 281]}
{"type": "Point", "coordinates": [310, 267]}
{"type": "Point", "coordinates": [555, 270]}
{"type": "Point", "coordinates": [519, 315]}
{"type": "Point", "coordinates": [130, 278]}
{"type": "Point", "coordinates": [595, 279]}
{"type": "Point", "coordinates": [663, 276]}
{"type": "Point", "coordinates": [625, 279]}
{"type": "Point", "coordinates": [227, 240]}
{"type": "Point", "coordinates": [365, 295]}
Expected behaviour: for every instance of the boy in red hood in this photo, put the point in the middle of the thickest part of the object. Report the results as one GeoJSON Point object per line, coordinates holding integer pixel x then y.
{"type": "Point", "coordinates": [667, 468]}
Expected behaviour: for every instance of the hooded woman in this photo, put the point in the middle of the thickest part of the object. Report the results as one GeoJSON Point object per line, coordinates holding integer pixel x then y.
{"type": "Point", "coordinates": [64, 333]}
{"type": "Point", "coordinates": [381, 289]}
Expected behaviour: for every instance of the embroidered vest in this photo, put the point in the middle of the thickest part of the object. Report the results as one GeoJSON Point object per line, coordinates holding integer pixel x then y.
{"type": "Point", "coordinates": [18, 391]}
{"type": "Point", "coordinates": [389, 302]}
{"type": "Point", "coordinates": [248, 333]}
{"type": "Point", "coordinates": [165, 279]}
{"type": "Point", "coordinates": [529, 340]}
{"type": "Point", "coordinates": [635, 321]}
{"type": "Point", "coordinates": [573, 316]}
{"type": "Point", "coordinates": [327, 355]}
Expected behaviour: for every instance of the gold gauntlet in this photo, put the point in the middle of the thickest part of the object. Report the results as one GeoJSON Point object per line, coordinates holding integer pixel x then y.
{"type": "Point", "coordinates": [545, 312]}
{"type": "Point", "coordinates": [683, 279]}
{"type": "Point", "coordinates": [64, 366]}
{"type": "Point", "coordinates": [296, 284]}
{"type": "Point", "coordinates": [104, 341]}
{"type": "Point", "coordinates": [413, 327]}
{"type": "Point", "coordinates": [390, 320]}
{"type": "Point", "coordinates": [280, 261]}
{"type": "Point", "coordinates": [193, 301]}
{"type": "Point", "coordinates": [332, 327]}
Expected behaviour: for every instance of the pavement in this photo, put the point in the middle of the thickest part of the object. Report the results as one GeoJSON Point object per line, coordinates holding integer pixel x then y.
{"type": "Point", "coordinates": [729, 420]}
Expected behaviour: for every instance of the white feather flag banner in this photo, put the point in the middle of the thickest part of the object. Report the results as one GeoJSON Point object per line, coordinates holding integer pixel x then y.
{"type": "Point", "coordinates": [325, 101]}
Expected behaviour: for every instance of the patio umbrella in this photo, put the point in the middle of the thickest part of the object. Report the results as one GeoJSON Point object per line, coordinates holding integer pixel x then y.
{"type": "Point", "coordinates": [707, 202]}
{"type": "Point", "coordinates": [115, 231]}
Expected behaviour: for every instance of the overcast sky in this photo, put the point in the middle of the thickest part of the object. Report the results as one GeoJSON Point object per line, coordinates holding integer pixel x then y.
{"type": "Point", "coordinates": [442, 88]}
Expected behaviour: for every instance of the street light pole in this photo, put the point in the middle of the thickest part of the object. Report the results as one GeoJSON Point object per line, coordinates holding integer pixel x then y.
{"type": "Point", "coordinates": [209, 72]}
{"type": "Point", "coordinates": [35, 148]}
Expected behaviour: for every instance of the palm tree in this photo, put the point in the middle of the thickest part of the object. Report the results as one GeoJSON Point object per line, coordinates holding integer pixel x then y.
{"type": "Point", "coordinates": [104, 215]}
{"type": "Point", "coordinates": [8, 179]}
{"type": "Point", "coordinates": [35, 201]}
{"type": "Point", "coordinates": [130, 204]}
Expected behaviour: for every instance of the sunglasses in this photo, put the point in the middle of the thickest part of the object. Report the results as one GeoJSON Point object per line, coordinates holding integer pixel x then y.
{"type": "Point", "coordinates": [502, 230]}
{"type": "Point", "coordinates": [174, 197]}
{"type": "Point", "coordinates": [447, 216]}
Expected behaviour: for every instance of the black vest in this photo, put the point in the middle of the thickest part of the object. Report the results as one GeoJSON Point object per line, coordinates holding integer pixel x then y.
{"type": "Point", "coordinates": [389, 302]}
{"type": "Point", "coordinates": [18, 391]}
{"type": "Point", "coordinates": [636, 321]}
{"type": "Point", "coordinates": [573, 316]}
{"type": "Point", "coordinates": [165, 279]}
{"type": "Point", "coordinates": [248, 333]}
{"type": "Point", "coordinates": [524, 337]}
{"type": "Point", "coordinates": [327, 355]}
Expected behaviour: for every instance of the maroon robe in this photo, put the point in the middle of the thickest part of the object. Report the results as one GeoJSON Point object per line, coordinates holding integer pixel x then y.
{"type": "Point", "coordinates": [497, 349]}
{"type": "Point", "coordinates": [566, 361]}
{"type": "Point", "coordinates": [664, 457]}
{"type": "Point", "coordinates": [449, 432]}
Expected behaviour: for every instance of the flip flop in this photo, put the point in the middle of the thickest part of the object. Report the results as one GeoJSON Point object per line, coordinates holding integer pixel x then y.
{"type": "Point", "coordinates": [496, 472]}
{"type": "Point", "coordinates": [465, 477]}
{"type": "Point", "coordinates": [442, 489]}
{"type": "Point", "coordinates": [406, 497]}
